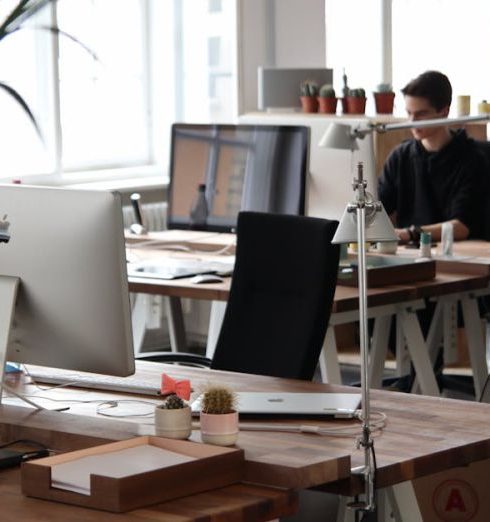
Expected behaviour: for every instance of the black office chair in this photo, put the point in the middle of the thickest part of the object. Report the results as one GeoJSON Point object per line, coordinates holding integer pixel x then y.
{"type": "Point", "coordinates": [280, 298]}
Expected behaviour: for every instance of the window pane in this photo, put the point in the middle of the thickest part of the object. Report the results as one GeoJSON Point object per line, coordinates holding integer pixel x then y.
{"type": "Point", "coordinates": [23, 152]}
{"type": "Point", "coordinates": [353, 43]}
{"type": "Point", "coordinates": [103, 102]}
{"type": "Point", "coordinates": [446, 35]}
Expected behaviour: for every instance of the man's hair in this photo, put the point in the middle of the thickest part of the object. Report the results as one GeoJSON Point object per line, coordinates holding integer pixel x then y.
{"type": "Point", "coordinates": [432, 85]}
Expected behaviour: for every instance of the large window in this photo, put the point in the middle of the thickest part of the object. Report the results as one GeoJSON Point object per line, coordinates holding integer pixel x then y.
{"type": "Point", "coordinates": [156, 62]}
{"type": "Point", "coordinates": [446, 35]}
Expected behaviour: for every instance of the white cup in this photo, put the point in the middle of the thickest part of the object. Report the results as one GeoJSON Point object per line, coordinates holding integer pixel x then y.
{"type": "Point", "coordinates": [387, 247]}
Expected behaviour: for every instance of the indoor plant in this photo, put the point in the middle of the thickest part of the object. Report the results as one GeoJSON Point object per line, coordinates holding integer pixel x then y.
{"type": "Point", "coordinates": [384, 98]}
{"type": "Point", "coordinates": [308, 96]}
{"type": "Point", "coordinates": [356, 101]}
{"type": "Point", "coordinates": [219, 416]}
{"type": "Point", "coordinates": [173, 418]}
{"type": "Point", "coordinates": [23, 11]}
{"type": "Point", "coordinates": [327, 101]}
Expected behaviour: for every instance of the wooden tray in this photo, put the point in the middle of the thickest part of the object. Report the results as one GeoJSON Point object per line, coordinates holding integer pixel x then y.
{"type": "Point", "coordinates": [213, 467]}
{"type": "Point", "coordinates": [385, 270]}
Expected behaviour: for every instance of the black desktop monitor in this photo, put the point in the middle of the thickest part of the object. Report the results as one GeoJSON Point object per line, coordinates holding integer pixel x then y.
{"type": "Point", "coordinates": [217, 170]}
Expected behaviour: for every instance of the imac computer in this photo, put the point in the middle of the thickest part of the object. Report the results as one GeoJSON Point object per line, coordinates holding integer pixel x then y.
{"type": "Point", "coordinates": [64, 299]}
{"type": "Point", "coordinates": [216, 170]}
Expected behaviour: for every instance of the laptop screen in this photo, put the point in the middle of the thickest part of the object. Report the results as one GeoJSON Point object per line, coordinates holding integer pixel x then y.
{"type": "Point", "coordinates": [218, 170]}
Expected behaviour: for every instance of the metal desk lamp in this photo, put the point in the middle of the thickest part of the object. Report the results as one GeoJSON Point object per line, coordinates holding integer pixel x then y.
{"type": "Point", "coordinates": [366, 220]}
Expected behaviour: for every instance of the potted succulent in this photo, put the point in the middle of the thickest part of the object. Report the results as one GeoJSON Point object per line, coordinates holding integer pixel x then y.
{"type": "Point", "coordinates": [356, 101]}
{"type": "Point", "coordinates": [327, 101]}
{"type": "Point", "coordinates": [384, 98]}
{"type": "Point", "coordinates": [173, 418]}
{"type": "Point", "coordinates": [308, 96]}
{"type": "Point", "coordinates": [219, 416]}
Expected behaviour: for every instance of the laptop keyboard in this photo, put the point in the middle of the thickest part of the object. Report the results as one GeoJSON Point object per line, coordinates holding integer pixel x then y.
{"type": "Point", "coordinates": [130, 384]}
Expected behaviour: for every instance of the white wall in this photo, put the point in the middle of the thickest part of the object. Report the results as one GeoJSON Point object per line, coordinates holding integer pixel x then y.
{"type": "Point", "coordinates": [281, 33]}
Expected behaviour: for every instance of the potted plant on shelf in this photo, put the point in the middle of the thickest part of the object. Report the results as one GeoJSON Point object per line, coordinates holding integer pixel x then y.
{"type": "Point", "coordinates": [173, 417]}
{"type": "Point", "coordinates": [219, 416]}
{"type": "Point", "coordinates": [308, 96]}
{"type": "Point", "coordinates": [356, 101]}
{"type": "Point", "coordinates": [327, 101]}
{"type": "Point", "coordinates": [384, 99]}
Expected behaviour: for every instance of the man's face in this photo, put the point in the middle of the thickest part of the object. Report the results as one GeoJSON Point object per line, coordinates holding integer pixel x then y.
{"type": "Point", "coordinates": [420, 109]}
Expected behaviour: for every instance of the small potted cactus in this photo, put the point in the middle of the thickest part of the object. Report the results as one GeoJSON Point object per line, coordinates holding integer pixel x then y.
{"type": "Point", "coordinates": [327, 101]}
{"type": "Point", "coordinates": [219, 416]}
{"type": "Point", "coordinates": [384, 99]}
{"type": "Point", "coordinates": [356, 101]}
{"type": "Point", "coordinates": [308, 96]}
{"type": "Point", "coordinates": [173, 418]}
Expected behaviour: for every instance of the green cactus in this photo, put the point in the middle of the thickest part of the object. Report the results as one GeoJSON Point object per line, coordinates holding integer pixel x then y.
{"type": "Point", "coordinates": [309, 88]}
{"type": "Point", "coordinates": [384, 87]}
{"type": "Point", "coordinates": [218, 400]}
{"type": "Point", "coordinates": [327, 91]}
{"type": "Point", "coordinates": [172, 402]}
{"type": "Point", "coordinates": [357, 93]}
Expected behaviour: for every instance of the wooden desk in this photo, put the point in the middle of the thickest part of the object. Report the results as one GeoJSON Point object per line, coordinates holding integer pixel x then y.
{"type": "Point", "coordinates": [383, 302]}
{"type": "Point", "coordinates": [423, 435]}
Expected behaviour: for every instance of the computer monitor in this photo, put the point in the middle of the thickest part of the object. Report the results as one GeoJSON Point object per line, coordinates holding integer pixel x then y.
{"type": "Point", "coordinates": [66, 247]}
{"type": "Point", "coordinates": [236, 167]}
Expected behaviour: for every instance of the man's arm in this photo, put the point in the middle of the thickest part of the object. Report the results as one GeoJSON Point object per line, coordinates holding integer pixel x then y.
{"type": "Point", "coordinates": [460, 231]}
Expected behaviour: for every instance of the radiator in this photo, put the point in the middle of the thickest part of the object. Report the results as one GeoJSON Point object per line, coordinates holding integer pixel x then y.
{"type": "Point", "coordinates": [154, 216]}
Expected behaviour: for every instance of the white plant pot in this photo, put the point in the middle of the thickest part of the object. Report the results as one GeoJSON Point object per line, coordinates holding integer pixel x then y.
{"type": "Point", "coordinates": [219, 429]}
{"type": "Point", "coordinates": [173, 424]}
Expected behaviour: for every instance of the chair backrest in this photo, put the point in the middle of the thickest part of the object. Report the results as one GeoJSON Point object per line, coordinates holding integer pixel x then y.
{"type": "Point", "coordinates": [281, 296]}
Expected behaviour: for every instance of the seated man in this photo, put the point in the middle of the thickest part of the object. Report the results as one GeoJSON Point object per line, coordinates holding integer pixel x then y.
{"type": "Point", "coordinates": [435, 177]}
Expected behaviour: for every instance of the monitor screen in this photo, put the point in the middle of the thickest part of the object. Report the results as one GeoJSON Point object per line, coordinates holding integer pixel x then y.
{"type": "Point", "coordinates": [218, 170]}
{"type": "Point", "coordinates": [67, 249]}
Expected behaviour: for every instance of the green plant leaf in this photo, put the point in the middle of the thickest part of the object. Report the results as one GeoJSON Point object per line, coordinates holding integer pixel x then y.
{"type": "Point", "coordinates": [20, 100]}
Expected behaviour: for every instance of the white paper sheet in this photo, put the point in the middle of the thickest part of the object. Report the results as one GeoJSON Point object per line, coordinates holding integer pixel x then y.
{"type": "Point", "coordinates": [75, 475]}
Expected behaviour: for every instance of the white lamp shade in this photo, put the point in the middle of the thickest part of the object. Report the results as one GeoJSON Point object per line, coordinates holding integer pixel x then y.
{"type": "Point", "coordinates": [338, 136]}
{"type": "Point", "coordinates": [381, 228]}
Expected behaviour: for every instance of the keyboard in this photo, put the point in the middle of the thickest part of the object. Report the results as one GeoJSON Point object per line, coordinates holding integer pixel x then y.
{"type": "Point", "coordinates": [134, 385]}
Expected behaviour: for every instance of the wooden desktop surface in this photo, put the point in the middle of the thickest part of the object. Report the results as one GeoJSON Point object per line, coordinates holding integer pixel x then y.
{"type": "Point", "coordinates": [423, 435]}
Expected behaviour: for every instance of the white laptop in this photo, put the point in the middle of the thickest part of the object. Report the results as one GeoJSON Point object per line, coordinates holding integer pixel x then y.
{"type": "Point", "coordinates": [338, 405]}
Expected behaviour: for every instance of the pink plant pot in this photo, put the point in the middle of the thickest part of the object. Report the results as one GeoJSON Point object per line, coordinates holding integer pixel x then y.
{"type": "Point", "coordinates": [220, 429]}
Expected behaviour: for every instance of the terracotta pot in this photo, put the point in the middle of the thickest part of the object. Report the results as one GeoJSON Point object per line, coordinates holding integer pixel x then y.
{"type": "Point", "coordinates": [309, 103]}
{"type": "Point", "coordinates": [173, 424]}
{"type": "Point", "coordinates": [384, 102]}
{"type": "Point", "coordinates": [327, 105]}
{"type": "Point", "coordinates": [356, 105]}
{"type": "Point", "coordinates": [220, 429]}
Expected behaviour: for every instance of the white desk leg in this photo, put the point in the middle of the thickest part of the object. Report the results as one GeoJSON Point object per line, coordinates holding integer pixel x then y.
{"type": "Point", "coordinates": [476, 346]}
{"type": "Point", "coordinates": [402, 356]}
{"type": "Point", "coordinates": [418, 352]}
{"type": "Point", "coordinates": [138, 319]}
{"type": "Point", "coordinates": [329, 359]}
{"type": "Point", "coordinates": [403, 501]}
{"type": "Point", "coordinates": [176, 328]}
{"type": "Point", "coordinates": [379, 348]}
{"type": "Point", "coordinates": [215, 321]}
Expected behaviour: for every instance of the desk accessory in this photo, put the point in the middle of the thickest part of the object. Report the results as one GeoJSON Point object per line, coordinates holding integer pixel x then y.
{"type": "Point", "coordinates": [219, 416]}
{"type": "Point", "coordinates": [139, 489]}
{"type": "Point", "coordinates": [370, 221]}
{"type": "Point", "coordinates": [382, 270]}
{"type": "Point", "coordinates": [173, 417]}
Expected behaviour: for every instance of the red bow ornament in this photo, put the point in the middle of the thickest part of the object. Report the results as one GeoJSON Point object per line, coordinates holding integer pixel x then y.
{"type": "Point", "coordinates": [180, 388]}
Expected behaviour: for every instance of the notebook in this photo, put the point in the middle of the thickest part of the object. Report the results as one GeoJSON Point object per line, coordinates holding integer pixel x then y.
{"type": "Point", "coordinates": [338, 405]}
